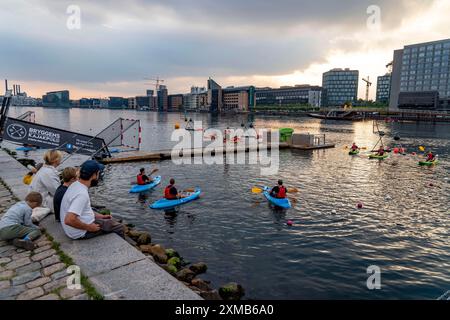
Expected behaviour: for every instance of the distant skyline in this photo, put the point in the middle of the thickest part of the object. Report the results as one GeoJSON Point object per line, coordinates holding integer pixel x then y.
{"type": "Point", "coordinates": [236, 42]}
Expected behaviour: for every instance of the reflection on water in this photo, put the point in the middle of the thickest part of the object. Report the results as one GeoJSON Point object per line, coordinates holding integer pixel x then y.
{"type": "Point", "coordinates": [403, 226]}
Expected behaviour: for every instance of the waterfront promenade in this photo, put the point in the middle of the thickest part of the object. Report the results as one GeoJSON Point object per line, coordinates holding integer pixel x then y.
{"type": "Point", "coordinates": [112, 267]}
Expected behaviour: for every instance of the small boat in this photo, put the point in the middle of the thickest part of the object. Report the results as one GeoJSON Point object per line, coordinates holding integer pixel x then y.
{"type": "Point", "coordinates": [164, 204]}
{"type": "Point", "coordinates": [145, 187]}
{"type": "Point", "coordinates": [282, 203]}
{"type": "Point", "coordinates": [338, 115]}
{"type": "Point", "coordinates": [353, 153]}
{"type": "Point", "coordinates": [429, 163]}
{"type": "Point", "coordinates": [376, 156]}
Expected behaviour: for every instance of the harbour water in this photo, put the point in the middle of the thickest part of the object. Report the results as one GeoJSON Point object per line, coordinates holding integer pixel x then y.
{"type": "Point", "coordinates": [403, 227]}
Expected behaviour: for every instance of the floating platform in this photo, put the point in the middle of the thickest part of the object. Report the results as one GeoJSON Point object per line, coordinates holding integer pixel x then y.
{"type": "Point", "coordinates": [314, 147]}
{"type": "Point", "coordinates": [138, 156]}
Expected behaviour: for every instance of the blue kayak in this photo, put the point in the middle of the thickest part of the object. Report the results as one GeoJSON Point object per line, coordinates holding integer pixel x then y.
{"type": "Point", "coordinates": [142, 188]}
{"type": "Point", "coordinates": [282, 203]}
{"type": "Point", "coordinates": [164, 204]}
{"type": "Point", "coordinates": [25, 149]}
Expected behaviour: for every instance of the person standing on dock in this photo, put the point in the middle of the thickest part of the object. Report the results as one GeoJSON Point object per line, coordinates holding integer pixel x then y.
{"type": "Point", "coordinates": [78, 219]}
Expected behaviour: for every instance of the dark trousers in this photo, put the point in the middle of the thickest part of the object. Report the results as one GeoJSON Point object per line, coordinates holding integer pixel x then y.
{"type": "Point", "coordinates": [106, 226]}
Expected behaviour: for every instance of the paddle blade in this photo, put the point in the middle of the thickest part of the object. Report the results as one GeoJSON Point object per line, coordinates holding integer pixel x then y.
{"type": "Point", "coordinates": [292, 190]}
{"type": "Point", "coordinates": [421, 148]}
{"type": "Point", "coordinates": [256, 190]}
{"type": "Point", "coordinates": [189, 190]}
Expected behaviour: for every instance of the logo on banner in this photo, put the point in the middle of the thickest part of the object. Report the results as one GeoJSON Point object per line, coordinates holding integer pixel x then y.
{"type": "Point", "coordinates": [16, 131]}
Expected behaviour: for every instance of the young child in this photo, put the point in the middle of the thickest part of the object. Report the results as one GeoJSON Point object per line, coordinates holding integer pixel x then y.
{"type": "Point", "coordinates": [16, 223]}
{"type": "Point", "coordinates": [69, 176]}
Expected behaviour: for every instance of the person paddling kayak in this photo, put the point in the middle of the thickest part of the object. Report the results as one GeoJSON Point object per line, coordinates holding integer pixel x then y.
{"type": "Point", "coordinates": [430, 156]}
{"type": "Point", "coordinates": [380, 151]}
{"type": "Point", "coordinates": [143, 179]}
{"type": "Point", "coordinates": [354, 147]}
{"type": "Point", "coordinates": [279, 191]}
{"type": "Point", "coordinates": [171, 192]}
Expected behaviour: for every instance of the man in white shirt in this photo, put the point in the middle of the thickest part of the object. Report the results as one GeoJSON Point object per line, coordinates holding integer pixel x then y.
{"type": "Point", "coordinates": [78, 219]}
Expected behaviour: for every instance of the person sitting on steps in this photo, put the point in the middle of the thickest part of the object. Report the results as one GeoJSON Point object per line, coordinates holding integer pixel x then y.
{"type": "Point", "coordinates": [78, 219]}
{"type": "Point", "coordinates": [16, 223]}
{"type": "Point", "coordinates": [69, 176]}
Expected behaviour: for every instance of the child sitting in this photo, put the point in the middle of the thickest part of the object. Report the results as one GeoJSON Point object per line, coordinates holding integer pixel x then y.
{"type": "Point", "coordinates": [16, 223]}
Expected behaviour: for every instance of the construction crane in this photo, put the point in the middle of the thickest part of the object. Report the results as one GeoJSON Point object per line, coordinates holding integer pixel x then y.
{"type": "Point", "coordinates": [389, 66]}
{"type": "Point", "coordinates": [156, 82]}
{"type": "Point", "coordinates": [368, 84]}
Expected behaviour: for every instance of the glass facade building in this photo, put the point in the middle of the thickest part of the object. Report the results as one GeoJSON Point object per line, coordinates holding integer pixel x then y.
{"type": "Point", "coordinates": [340, 86]}
{"type": "Point", "coordinates": [383, 88]}
{"type": "Point", "coordinates": [297, 95]}
{"type": "Point", "coordinates": [420, 69]}
{"type": "Point", "coordinates": [56, 99]}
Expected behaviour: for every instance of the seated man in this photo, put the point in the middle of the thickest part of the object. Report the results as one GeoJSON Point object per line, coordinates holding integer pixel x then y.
{"type": "Point", "coordinates": [142, 178]}
{"type": "Point", "coordinates": [77, 217]}
{"type": "Point", "coordinates": [279, 191]}
{"type": "Point", "coordinates": [170, 192]}
{"type": "Point", "coordinates": [430, 156]}
{"type": "Point", "coordinates": [69, 176]}
{"type": "Point", "coordinates": [380, 151]}
{"type": "Point", "coordinates": [16, 224]}
{"type": "Point", "coordinates": [354, 147]}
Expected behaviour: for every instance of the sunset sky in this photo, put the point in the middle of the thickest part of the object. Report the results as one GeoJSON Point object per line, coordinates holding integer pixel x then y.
{"type": "Point", "coordinates": [236, 42]}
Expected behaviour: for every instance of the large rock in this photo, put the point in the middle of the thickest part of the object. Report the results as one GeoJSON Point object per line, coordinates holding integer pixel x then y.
{"type": "Point", "coordinates": [146, 248]}
{"type": "Point", "coordinates": [170, 269]}
{"type": "Point", "coordinates": [201, 284]}
{"type": "Point", "coordinates": [231, 291]}
{"type": "Point", "coordinates": [172, 253]}
{"type": "Point", "coordinates": [174, 261]}
{"type": "Point", "coordinates": [185, 275]}
{"type": "Point", "coordinates": [144, 238]}
{"type": "Point", "coordinates": [210, 295]}
{"type": "Point", "coordinates": [199, 268]}
{"type": "Point", "coordinates": [159, 253]}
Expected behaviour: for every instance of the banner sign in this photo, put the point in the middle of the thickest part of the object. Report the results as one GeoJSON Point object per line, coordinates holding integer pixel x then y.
{"type": "Point", "coordinates": [38, 135]}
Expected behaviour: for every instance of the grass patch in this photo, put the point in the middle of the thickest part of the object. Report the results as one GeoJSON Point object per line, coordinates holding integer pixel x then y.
{"type": "Point", "coordinates": [68, 261]}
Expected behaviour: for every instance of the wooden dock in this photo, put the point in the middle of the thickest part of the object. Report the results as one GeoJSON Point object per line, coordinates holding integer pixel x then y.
{"type": "Point", "coordinates": [138, 156]}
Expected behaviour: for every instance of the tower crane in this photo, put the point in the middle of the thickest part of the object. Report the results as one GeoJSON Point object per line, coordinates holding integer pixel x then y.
{"type": "Point", "coordinates": [368, 84]}
{"type": "Point", "coordinates": [156, 82]}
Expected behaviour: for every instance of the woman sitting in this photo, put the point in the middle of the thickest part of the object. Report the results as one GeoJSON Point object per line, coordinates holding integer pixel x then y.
{"type": "Point", "coordinates": [46, 182]}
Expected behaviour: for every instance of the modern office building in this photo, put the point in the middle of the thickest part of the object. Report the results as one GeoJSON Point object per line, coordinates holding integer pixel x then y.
{"type": "Point", "coordinates": [150, 93]}
{"type": "Point", "coordinates": [215, 94]}
{"type": "Point", "coordinates": [421, 77]}
{"type": "Point", "coordinates": [238, 99]}
{"type": "Point", "coordinates": [56, 99]}
{"type": "Point", "coordinates": [297, 95]}
{"type": "Point", "coordinates": [175, 101]}
{"type": "Point", "coordinates": [163, 101]}
{"type": "Point", "coordinates": [118, 103]}
{"type": "Point", "coordinates": [196, 100]}
{"type": "Point", "coordinates": [383, 88]}
{"type": "Point", "coordinates": [340, 87]}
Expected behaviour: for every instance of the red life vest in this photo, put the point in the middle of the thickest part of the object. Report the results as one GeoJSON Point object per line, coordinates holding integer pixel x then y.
{"type": "Point", "coordinates": [167, 193]}
{"type": "Point", "coordinates": [281, 192]}
{"type": "Point", "coordinates": [140, 180]}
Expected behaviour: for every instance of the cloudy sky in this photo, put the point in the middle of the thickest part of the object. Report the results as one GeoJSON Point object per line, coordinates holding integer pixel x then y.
{"type": "Point", "coordinates": [237, 42]}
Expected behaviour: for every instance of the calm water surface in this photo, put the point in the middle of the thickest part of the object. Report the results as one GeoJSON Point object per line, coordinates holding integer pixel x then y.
{"type": "Point", "coordinates": [403, 227]}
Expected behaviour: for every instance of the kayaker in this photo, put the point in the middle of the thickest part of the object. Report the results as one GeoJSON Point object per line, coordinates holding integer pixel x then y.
{"type": "Point", "coordinates": [171, 192]}
{"type": "Point", "coordinates": [354, 147]}
{"type": "Point", "coordinates": [142, 178]}
{"type": "Point", "coordinates": [380, 151]}
{"type": "Point", "coordinates": [279, 191]}
{"type": "Point", "coordinates": [430, 156]}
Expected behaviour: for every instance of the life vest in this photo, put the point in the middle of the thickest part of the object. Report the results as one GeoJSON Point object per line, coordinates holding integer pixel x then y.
{"type": "Point", "coordinates": [167, 193]}
{"type": "Point", "coordinates": [140, 180]}
{"type": "Point", "coordinates": [281, 192]}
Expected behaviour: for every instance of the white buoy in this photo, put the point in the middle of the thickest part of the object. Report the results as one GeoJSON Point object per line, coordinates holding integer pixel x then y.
{"type": "Point", "coordinates": [333, 212]}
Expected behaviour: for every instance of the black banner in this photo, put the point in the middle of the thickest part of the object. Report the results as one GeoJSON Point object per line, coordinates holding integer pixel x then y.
{"type": "Point", "coordinates": [38, 135]}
